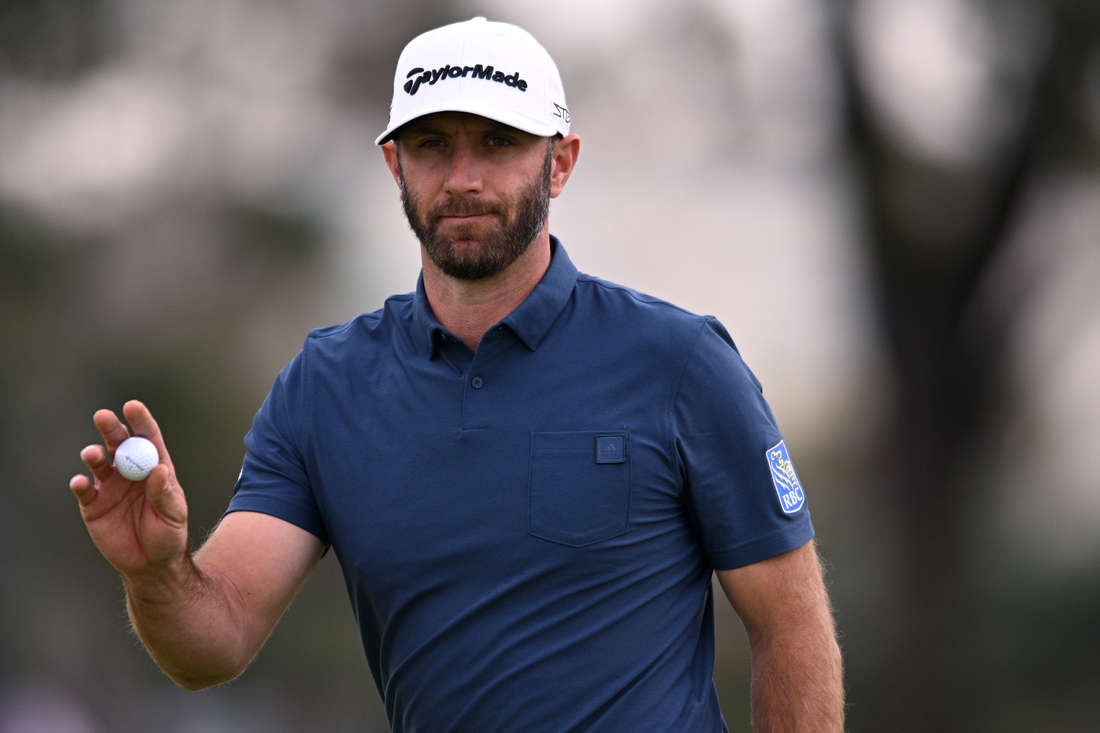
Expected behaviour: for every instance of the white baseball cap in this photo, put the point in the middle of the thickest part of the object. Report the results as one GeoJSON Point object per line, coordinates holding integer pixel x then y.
{"type": "Point", "coordinates": [495, 70]}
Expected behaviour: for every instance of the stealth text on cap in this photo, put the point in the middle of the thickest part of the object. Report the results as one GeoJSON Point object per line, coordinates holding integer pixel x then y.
{"type": "Point", "coordinates": [418, 76]}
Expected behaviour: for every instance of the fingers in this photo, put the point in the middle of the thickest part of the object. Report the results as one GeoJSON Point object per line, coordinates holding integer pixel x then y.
{"type": "Point", "coordinates": [111, 428]}
{"type": "Point", "coordinates": [166, 501]}
{"type": "Point", "coordinates": [97, 461]}
{"type": "Point", "coordinates": [98, 458]}
{"type": "Point", "coordinates": [114, 431]}
{"type": "Point", "coordinates": [141, 420]}
{"type": "Point", "coordinates": [83, 488]}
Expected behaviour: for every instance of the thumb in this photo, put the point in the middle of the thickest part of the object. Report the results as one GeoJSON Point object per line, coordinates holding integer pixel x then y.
{"type": "Point", "coordinates": [165, 496]}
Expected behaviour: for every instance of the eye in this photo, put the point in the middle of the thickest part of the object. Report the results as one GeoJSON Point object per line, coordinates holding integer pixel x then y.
{"type": "Point", "coordinates": [497, 141]}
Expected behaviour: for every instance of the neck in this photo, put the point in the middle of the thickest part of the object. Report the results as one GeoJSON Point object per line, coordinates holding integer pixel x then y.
{"type": "Point", "coordinates": [469, 308]}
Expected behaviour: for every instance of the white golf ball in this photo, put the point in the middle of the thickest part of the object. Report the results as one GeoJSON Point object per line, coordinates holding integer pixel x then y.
{"type": "Point", "coordinates": [135, 458]}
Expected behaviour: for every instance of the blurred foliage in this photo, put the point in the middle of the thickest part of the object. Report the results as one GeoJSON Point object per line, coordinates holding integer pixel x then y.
{"type": "Point", "coordinates": [53, 39]}
{"type": "Point", "coordinates": [936, 231]}
{"type": "Point", "coordinates": [262, 238]}
{"type": "Point", "coordinates": [362, 76]}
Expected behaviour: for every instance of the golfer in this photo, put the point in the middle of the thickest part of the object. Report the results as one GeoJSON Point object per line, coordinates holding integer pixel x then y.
{"type": "Point", "coordinates": [528, 475]}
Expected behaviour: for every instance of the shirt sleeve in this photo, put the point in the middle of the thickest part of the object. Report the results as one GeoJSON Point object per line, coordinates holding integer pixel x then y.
{"type": "Point", "coordinates": [275, 478]}
{"type": "Point", "coordinates": [740, 486]}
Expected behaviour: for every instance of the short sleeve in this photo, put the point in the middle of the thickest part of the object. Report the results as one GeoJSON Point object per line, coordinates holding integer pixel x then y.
{"type": "Point", "coordinates": [274, 479]}
{"type": "Point", "coordinates": [740, 486]}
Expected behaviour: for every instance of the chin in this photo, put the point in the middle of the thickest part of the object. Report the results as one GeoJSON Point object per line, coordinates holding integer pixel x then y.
{"type": "Point", "coordinates": [465, 249]}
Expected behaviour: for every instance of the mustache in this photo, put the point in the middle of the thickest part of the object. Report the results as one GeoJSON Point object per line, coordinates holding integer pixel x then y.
{"type": "Point", "coordinates": [464, 207]}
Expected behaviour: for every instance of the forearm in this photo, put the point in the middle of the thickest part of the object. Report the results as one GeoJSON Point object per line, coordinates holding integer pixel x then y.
{"type": "Point", "coordinates": [190, 623]}
{"type": "Point", "coordinates": [797, 684]}
{"type": "Point", "coordinates": [202, 618]}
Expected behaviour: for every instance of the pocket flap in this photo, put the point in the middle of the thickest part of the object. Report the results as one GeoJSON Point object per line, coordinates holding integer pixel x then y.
{"type": "Point", "coordinates": [579, 490]}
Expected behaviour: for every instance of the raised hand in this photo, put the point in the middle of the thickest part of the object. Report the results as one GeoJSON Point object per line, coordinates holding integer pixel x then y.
{"type": "Point", "coordinates": [139, 526]}
{"type": "Point", "coordinates": [202, 618]}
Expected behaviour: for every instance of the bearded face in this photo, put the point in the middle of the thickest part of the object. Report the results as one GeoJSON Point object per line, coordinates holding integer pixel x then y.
{"type": "Point", "coordinates": [481, 249]}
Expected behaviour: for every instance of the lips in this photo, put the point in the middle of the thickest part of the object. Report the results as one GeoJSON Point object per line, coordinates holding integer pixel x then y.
{"type": "Point", "coordinates": [463, 216]}
{"type": "Point", "coordinates": [463, 213]}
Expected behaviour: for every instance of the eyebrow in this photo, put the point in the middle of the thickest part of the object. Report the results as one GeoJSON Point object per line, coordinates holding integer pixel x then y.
{"type": "Point", "coordinates": [413, 129]}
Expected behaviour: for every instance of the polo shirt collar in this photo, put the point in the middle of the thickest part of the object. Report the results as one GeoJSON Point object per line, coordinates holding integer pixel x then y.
{"type": "Point", "coordinates": [530, 321]}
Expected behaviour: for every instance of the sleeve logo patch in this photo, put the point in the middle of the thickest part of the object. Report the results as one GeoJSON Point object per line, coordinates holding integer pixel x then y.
{"type": "Point", "coordinates": [787, 485]}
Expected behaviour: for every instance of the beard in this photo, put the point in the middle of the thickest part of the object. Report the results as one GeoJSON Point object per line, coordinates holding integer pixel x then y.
{"type": "Point", "coordinates": [495, 249]}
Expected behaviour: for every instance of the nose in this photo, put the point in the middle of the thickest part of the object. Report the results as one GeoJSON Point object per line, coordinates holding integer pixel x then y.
{"type": "Point", "coordinates": [464, 176]}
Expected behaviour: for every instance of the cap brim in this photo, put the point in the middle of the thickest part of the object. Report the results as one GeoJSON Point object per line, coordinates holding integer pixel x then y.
{"type": "Point", "coordinates": [506, 116]}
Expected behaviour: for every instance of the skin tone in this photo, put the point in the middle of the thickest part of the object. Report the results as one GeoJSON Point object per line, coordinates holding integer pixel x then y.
{"type": "Point", "coordinates": [450, 156]}
{"type": "Point", "coordinates": [797, 679]}
{"type": "Point", "coordinates": [203, 616]}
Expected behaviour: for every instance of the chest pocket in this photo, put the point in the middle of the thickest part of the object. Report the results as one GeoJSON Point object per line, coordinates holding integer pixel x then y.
{"type": "Point", "coordinates": [579, 492]}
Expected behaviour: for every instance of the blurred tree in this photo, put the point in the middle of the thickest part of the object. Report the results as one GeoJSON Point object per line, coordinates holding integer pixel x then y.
{"type": "Point", "coordinates": [364, 60]}
{"type": "Point", "coordinates": [52, 39]}
{"type": "Point", "coordinates": [935, 228]}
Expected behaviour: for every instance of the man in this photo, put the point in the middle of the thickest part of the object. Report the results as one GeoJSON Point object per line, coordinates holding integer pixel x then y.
{"type": "Point", "coordinates": [527, 474]}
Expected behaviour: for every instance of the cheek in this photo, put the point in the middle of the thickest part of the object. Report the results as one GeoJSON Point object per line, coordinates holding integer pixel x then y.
{"type": "Point", "coordinates": [422, 174]}
{"type": "Point", "coordinates": [421, 192]}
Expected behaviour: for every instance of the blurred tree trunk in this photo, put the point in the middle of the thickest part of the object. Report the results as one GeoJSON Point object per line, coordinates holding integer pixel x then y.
{"type": "Point", "coordinates": [933, 233]}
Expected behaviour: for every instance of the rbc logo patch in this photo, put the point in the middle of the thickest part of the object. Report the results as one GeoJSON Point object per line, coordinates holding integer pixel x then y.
{"type": "Point", "coordinates": [791, 498]}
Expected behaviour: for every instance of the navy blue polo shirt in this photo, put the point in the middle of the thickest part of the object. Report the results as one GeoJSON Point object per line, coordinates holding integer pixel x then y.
{"type": "Point", "coordinates": [527, 532]}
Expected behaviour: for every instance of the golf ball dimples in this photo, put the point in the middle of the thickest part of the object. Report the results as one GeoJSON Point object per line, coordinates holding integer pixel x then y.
{"type": "Point", "coordinates": [135, 458]}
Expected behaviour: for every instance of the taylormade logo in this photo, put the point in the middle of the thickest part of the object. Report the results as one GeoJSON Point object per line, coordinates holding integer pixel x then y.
{"type": "Point", "coordinates": [431, 76]}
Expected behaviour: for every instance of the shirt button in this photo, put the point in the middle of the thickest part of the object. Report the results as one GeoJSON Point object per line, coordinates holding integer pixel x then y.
{"type": "Point", "coordinates": [477, 382]}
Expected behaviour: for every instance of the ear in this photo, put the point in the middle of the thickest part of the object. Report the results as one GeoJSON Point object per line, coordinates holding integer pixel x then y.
{"type": "Point", "coordinates": [565, 155]}
{"type": "Point", "coordinates": [389, 152]}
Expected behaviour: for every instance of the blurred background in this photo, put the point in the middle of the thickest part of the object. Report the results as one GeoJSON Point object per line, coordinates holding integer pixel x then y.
{"type": "Point", "coordinates": [893, 205]}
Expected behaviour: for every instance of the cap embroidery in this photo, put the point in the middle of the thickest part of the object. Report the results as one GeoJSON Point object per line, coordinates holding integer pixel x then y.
{"type": "Point", "coordinates": [431, 76]}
